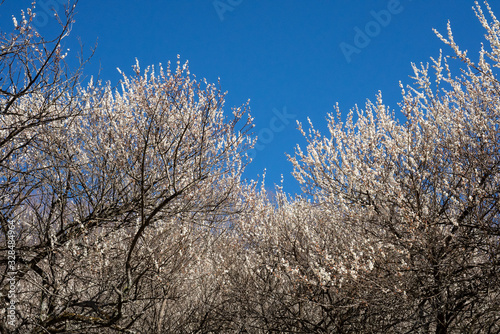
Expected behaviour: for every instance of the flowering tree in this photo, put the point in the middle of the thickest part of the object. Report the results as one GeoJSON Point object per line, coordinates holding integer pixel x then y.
{"type": "Point", "coordinates": [32, 69]}
{"type": "Point", "coordinates": [122, 210]}
{"type": "Point", "coordinates": [299, 269]}
{"type": "Point", "coordinates": [428, 188]}
{"type": "Point", "coordinates": [134, 187]}
{"type": "Point", "coordinates": [114, 195]}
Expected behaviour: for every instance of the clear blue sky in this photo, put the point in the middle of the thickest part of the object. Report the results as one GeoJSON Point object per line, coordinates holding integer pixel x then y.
{"type": "Point", "coordinates": [293, 59]}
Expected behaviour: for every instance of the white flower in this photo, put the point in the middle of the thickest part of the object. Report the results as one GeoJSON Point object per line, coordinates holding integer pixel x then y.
{"type": "Point", "coordinates": [370, 265]}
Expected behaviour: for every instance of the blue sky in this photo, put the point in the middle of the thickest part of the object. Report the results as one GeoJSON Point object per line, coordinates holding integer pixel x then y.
{"type": "Point", "coordinates": [293, 59]}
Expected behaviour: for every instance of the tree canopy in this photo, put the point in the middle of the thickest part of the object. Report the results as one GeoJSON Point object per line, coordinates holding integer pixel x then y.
{"type": "Point", "coordinates": [123, 210]}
